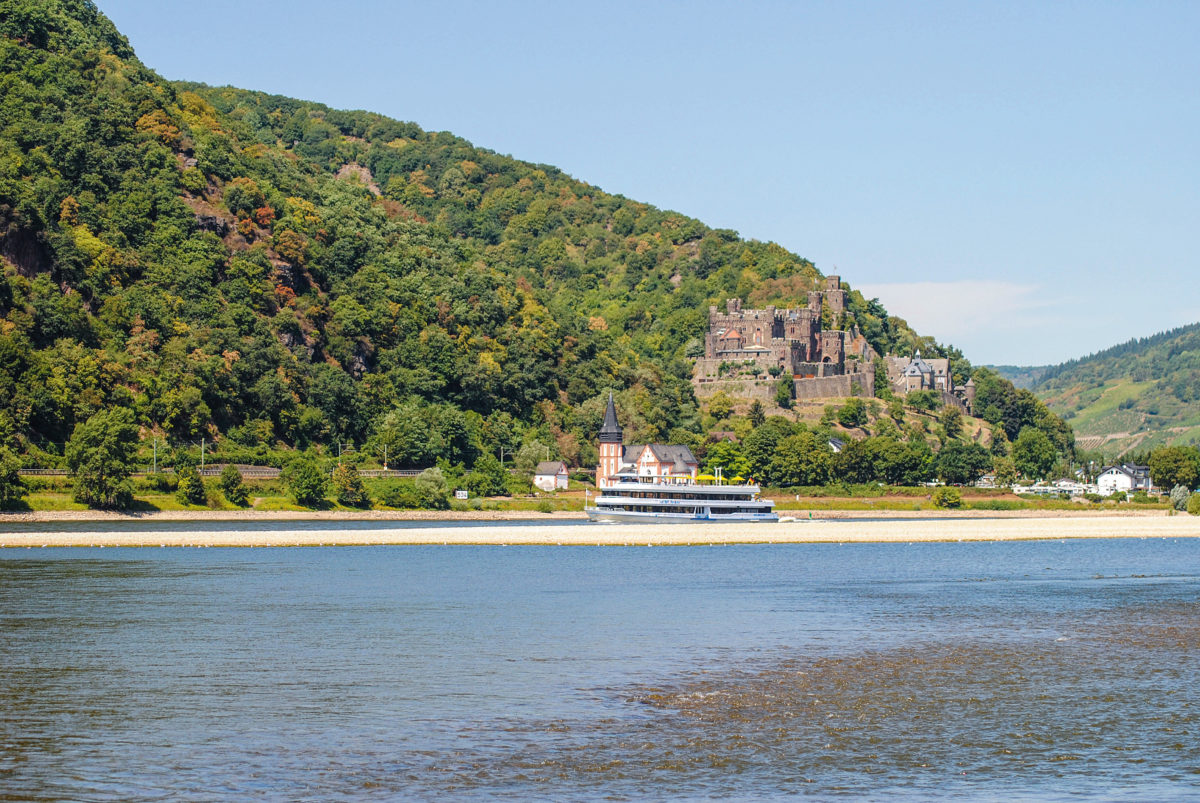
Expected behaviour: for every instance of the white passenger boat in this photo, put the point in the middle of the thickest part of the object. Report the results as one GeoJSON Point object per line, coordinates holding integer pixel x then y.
{"type": "Point", "coordinates": [658, 483]}
{"type": "Point", "coordinates": [664, 500]}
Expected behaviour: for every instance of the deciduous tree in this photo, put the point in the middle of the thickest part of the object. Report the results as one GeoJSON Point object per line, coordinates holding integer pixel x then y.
{"type": "Point", "coordinates": [101, 454]}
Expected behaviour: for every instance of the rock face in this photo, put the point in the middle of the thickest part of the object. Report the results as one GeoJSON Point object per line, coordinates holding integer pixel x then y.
{"type": "Point", "coordinates": [23, 248]}
{"type": "Point", "coordinates": [217, 225]}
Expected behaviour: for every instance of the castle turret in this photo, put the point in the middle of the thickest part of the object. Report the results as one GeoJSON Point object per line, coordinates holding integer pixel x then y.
{"type": "Point", "coordinates": [611, 446]}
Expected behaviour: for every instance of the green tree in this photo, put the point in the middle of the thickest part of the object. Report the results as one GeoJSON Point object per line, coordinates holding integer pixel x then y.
{"type": "Point", "coordinates": [962, 463]}
{"type": "Point", "coordinates": [802, 459]}
{"type": "Point", "coordinates": [190, 489]}
{"type": "Point", "coordinates": [858, 461]}
{"type": "Point", "coordinates": [784, 392]}
{"type": "Point", "coordinates": [952, 421]}
{"type": "Point", "coordinates": [757, 414]}
{"type": "Point", "coordinates": [348, 487]}
{"type": "Point", "coordinates": [1005, 470]}
{"type": "Point", "coordinates": [487, 477]}
{"type": "Point", "coordinates": [924, 400]}
{"type": "Point", "coordinates": [233, 487]}
{"type": "Point", "coordinates": [720, 405]}
{"type": "Point", "coordinates": [1175, 465]}
{"type": "Point", "coordinates": [1193, 505]}
{"type": "Point", "coordinates": [758, 448]}
{"type": "Point", "coordinates": [307, 482]}
{"type": "Point", "coordinates": [727, 456]}
{"type": "Point", "coordinates": [853, 413]}
{"type": "Point", "coordinates": [11, 487]}
{"type": "Point", "coordinates": [101, 454]}
{"type": "Point", "coordinates": [432, 491]}
{"type": "Point", "coordinates": [1033, 453]}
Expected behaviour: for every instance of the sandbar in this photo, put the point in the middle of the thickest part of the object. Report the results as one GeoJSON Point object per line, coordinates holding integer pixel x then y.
{"type": "Point", "coordinates": [562, 531]}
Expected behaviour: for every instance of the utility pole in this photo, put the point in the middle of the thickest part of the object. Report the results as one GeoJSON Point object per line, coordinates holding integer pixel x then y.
{"type": "Point", "coordinates": [202, 453]}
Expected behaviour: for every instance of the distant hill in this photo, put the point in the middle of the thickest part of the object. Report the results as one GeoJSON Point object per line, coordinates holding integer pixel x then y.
{"type": "Point", "coordinates": [1023, 376]}
{"type": "Point", "coordinates": [1133, 396]}
{"type": "Point", "coordinates": [264, 273]}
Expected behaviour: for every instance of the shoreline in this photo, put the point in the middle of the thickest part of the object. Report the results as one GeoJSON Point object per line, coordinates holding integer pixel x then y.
{"type": "Point", "coordinates": [49, 516]}
{"type": "Point", "coordinates": [515, 528]}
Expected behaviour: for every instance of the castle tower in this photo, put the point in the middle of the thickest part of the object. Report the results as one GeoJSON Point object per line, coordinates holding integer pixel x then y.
{"type": "Point", "coordinates": [611, 446]}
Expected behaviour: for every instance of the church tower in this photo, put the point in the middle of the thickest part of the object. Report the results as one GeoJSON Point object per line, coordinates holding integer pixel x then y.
{"type": "Point", "coordinates": [611, 446]}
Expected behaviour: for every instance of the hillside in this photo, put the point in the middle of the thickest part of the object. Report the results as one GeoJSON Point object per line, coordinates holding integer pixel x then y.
{"type": "Point", "coordinates": [262, 272]}
{"type": "Point", "coordinates": [1131, 397]}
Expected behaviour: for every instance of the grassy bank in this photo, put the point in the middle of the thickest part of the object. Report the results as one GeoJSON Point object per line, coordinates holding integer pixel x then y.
{"type": "Point", "coordinates": [48, 494]}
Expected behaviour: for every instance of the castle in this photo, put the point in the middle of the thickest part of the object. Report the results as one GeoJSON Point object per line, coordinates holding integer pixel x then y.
{"type": "Point", "coordinates": [818, 346]}
{"type": "Point", "coordinates": [825, 362]}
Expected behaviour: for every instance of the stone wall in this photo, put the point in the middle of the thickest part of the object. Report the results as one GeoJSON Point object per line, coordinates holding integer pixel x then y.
{"type": "Point", "coordinates": [761, 389]}
{"type": "Point", "coordinates": [830, 387]}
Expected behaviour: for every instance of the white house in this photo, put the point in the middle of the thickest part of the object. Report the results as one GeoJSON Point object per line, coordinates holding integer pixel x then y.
{"type": "Point", "coordinates": [1125, 477]}
{"type": "Point", "coordinates": [551, 475]}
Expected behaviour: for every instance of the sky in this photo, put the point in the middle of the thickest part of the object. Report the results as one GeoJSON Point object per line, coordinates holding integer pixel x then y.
{"type": "Point", "coordinates": [1018, 179]}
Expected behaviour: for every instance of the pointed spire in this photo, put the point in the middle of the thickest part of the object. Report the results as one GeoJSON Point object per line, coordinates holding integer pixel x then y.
{"type": "Point", "coordinates": [610, 430]}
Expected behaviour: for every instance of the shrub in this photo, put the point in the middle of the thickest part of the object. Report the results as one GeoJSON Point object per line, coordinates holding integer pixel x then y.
{"type": "Point", "coordinates": [1094, 498]}
{"type": "Point", "coordinates": [232, 486]}
{"type": "Point", "coordinates": [1179, 497]}
{"type": "Point", "coordinates": [348, 487]}
{"type": "Point", "coordinates": [1143, 498]}
{"type": "Point", "coordinates": [307, 483]}
{"type": "Point", "coordinates": [1194, 504]}
{"type": "Point", "coordinates": [544, 506]}
{"type": "Point", "coordinates": [399, 493]}
{"type": "Point", "coordinates": [432, 490]}
{"type": "Point", "coordinates": [947, 497]}
{"type": "Point", "coordinates": [998, 504]}
{"type": "Point", "coordinates": [190, 488]}
{"type": "Point", "coordinates": [11, 487]}
{"type": "Point", "coordinates": [1119, 496]}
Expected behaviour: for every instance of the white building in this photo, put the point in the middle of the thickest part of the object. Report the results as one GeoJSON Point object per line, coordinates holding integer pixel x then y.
{"type": "Point", "coordinates": [1125, 477]}
{"type": "Point", "coordinates": [551, 475]}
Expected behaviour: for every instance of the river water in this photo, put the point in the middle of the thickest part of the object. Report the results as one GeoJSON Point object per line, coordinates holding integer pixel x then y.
{"type": "Point", "coordinates": [1035, 670]}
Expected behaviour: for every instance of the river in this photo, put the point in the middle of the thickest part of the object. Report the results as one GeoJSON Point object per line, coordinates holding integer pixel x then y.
{"type": "Point", "coordinates": [1039, 670]}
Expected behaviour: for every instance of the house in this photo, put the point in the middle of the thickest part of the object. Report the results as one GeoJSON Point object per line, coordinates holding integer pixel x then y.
{"type": "Point", "coordinates": [907, 374]}
{"type": "Point", "coordinates": [551, 475]}
{"type": "Point", "coordinates": [1125, 477]}
{"type": "Point", "coordinates": [654, 460]}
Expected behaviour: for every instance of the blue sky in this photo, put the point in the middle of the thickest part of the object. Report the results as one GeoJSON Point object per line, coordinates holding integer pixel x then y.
{"type": "Point", "coordinates": [1019, 179]}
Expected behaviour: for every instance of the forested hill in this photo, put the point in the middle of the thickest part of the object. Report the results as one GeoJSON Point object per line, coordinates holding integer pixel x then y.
{"type": "Point", "coordinates": [262, 271]}
{"type": "Point", "coordinates": [1139, 394]}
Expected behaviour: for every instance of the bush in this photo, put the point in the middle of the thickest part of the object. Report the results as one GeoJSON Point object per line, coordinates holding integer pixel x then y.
{"type": "Point", "coordinates": [1094, 498]}
{"type": "Point", "coordinates": [998, 504]}
{"type": "Point", "coordinates": [1179, 497]}
{"type": "Point", "coordinates": [947, 498]}
{"type": "Point", "coordinates": [190, 486]}
{"type": "Point", "coordinates": [544, 506]}
{"type": "Point", "coordinates": [232, 486]}
{"type": "Point", "coordinates": [432, 490]}
{"type": "Point", "coordinates": [400, 494]}
{"type": "Point", "coordinates": [1143, 498]}
{"type": "Point", "coordinates": [11, 487]}
{"type": "Point", "coordinates": [1194, 504]}
{"type": "Point", "coordinates": [1119, 496]}
{"type": "Point", "coordinates": [348, 487]}
{"type": "Point", "coordinates": [307, 483]}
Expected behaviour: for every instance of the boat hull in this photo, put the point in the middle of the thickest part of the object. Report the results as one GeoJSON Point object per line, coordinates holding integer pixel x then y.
{"type": "Point", "coordinates": [627, 516]}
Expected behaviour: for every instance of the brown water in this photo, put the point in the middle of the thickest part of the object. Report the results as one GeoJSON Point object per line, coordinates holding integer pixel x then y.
{"type": "Point", "coordinates": [1031, 670]}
